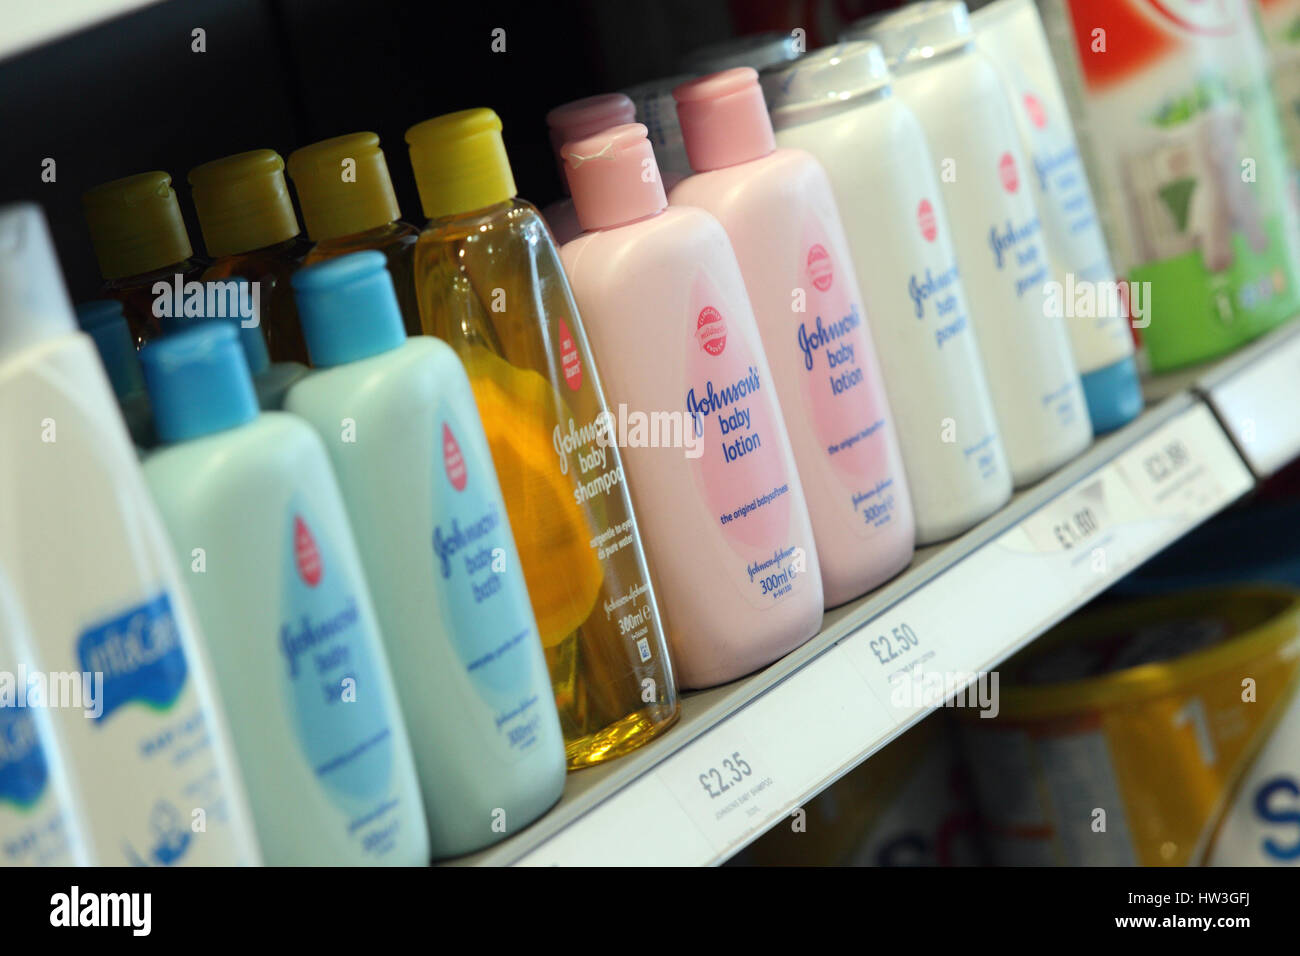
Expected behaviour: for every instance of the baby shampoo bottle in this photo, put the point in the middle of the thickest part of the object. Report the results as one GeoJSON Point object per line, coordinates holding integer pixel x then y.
{"type": "Point", "coordinates": [254, 513]}
{"type": "Point", "coordinates": [490, 285]}
{"type": "Point", "coordinates": [398, 418]}
{"type": "Point", "coordinates": [780, 215]}
{"type": "Point", "coordinates": [705, 446]}
{"type": "Point", "coordinates": [348, 204]}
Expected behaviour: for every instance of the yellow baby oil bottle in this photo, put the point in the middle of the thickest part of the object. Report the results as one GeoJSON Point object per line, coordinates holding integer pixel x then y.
{"type": "Point", "coordinates": [489, 282]}
{"type": "Point", "coordinates": [348, 205]}
{"type": "Point", "coordinates": [250, 230]}
{"type": "Point", "coordinates": [140, 238]}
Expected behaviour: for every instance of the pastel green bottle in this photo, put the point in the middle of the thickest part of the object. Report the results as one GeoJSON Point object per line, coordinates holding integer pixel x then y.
{"type": "Point", "coordinates": [402, 429]}
{"type": "Point", "coordinates": [254, 514]}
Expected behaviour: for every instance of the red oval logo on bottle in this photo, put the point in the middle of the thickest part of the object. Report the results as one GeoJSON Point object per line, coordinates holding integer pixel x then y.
{"type": "Point", "coordinates": [711, 331]}
{"type": "Point", "coordinates": [570, 361]}
{"type": "Point", "coordinates": [453, 459]}
{"type": "Point", "coordinates": [925, 219]}
{"type": "Point", "coordinates": [820, 270]}
{"type": "Point", "coordinates": [306, 554]}
{"type": "Point", "coordinates": [1007, 172]}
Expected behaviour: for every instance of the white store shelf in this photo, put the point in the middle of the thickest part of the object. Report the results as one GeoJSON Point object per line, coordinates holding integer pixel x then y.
{"type": "Point", "coordinates": [797, 726]}
{"type": "Point", "coordinates": [1256, 395]}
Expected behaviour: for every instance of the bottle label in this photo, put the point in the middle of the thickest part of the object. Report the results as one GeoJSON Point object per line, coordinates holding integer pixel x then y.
{"type": "Point", "coordinates": [570, 360]}
{"type": "Point", "coordinates": [140, 655]}
{"type": "Point", "coordinates": [742, 470]}
{"type": "Point", "coordinates": [23, 771]}
{"type": "Point", "coordinates": [334, 682]}
{"type": "Point", "coordinates": [484, 599]}
{"type": "Point", "coordinates": [842, 404]}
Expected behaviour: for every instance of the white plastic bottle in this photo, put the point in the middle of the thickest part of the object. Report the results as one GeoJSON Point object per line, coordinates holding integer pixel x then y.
{"type": "Point", "coordinates": [250, 501]}
{"type": "Point", "coordinates": [398, 419]}
{"type": "Point", "coordinates": [1010, 34]}
{"type": "Point", "coordinates": [90, 562]}
{"type": "Point", "coordinates": [837, 104]}
{"type": "Point", "coordinates": [39, 823]}
{"type": "Point", "coordinates": [959, 101]}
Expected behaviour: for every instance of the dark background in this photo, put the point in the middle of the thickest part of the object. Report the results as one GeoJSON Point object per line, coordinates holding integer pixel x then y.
{"type": "Point", "coordinates": [129, 95]}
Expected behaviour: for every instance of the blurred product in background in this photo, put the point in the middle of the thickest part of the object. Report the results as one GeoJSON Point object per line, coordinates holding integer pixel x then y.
{"type": "Point", "coordinates": [1157, 732]}
{"type": "Point", "coordinates": [1280, 23]}
{"type": "Point", "coordinates": [348, 204]}
{"type": "Point", "coordinates": [756, 50]}
{"type": "Point", "coordinates": [250, 230]}
{"type": "Point", "coordinates": [145, 744]}
{"type": "Point", "coordinates": [140, 238]}
{"type": "Point", "coordinates": [908, 805]}
{"type": "Point", "coordinates": [1180, 132]}
{"type": "Point", "coordinates": [1084, 291]}
{"type": "Point", "coordinates": [837, 104]}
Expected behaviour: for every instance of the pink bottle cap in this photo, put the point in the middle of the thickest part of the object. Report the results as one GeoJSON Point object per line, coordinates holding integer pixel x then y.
{"type": "Point", "coordinates": [724, 119]}
{"type": "Point", "coordinates": [614, 178]}
{"type": "Point", "coordinates": [586, 117]}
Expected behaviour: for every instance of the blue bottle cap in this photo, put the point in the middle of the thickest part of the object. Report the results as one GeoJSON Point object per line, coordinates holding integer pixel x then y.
{"type": "Point", "coordinates": [104, 322]}
{"type": "Point", "coordinates": [348, 309]}
{"type": "Point", "coordinates": [198, 382]}
{"type": "Point", "coordinates": [229, 300]}
{"type": "Point", "coordinates": [1113, 394]}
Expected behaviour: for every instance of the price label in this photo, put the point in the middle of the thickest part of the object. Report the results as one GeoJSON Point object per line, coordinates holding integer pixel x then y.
{"type": "Point", "coordinates": [720, 780]}
{"type": "Point", "coordinates": [1184, 468]}
{"type": "Point", "coordinates": [1076, 520]}
{"type": "Point", "coordinates": [895, 644]}
{"type": "Point", "coordinates": [723, 784]}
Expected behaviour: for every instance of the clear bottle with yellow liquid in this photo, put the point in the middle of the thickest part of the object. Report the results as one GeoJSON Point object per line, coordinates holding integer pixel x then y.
{"type": "Point", "coordinates": [489, 282]}
{"type": "Point", "coordinates": [140, 238]}
{"type": "Point", "coordinates": [348, 205]}
{"type": "Point", "coordinates": [250, 230]}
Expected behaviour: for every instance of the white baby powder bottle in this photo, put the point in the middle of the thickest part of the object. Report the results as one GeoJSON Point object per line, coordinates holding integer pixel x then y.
{"type": "Point", "coordinates": [1010, 34]}
{"type": "Point", "coordinates": [837, 104]}
{"type": "Point", "coordinates": [959, 101]}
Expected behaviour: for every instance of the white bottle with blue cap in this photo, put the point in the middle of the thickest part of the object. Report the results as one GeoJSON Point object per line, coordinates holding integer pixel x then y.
{"type": "Point", "coordinates": [254, 511]}
{"type": "Point", "coordinates": [233, 300]}
{"type": "Point", "coordinates": [138, 723]}
{"type": "Point", "coordinates": [402, 429]}
{"type": "Point", "coordinates": [104, 321]}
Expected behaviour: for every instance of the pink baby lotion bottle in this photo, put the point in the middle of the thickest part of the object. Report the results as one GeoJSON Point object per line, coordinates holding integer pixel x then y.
{"type": "Point", "coordinates": [725, 523]}
{"type": "Point", "coordinates": [568, 124]}
{"type": "Point", "coordinates": [779, 211]}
